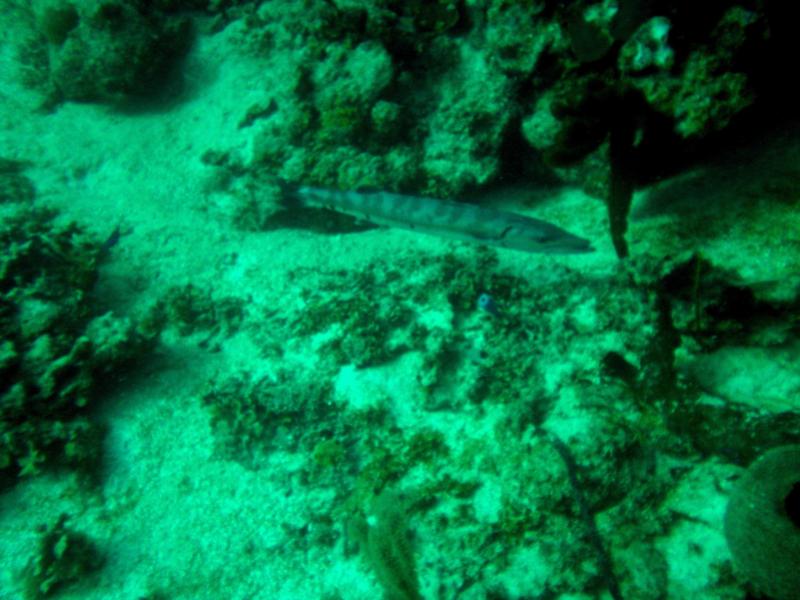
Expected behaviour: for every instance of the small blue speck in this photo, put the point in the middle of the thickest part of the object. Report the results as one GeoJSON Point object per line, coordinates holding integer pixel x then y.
{"type": "Point", "coordinates": [487, 303]}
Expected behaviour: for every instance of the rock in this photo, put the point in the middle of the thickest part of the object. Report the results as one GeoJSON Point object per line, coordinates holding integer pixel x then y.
{"type": "Point", "coordinates": [762, 524]}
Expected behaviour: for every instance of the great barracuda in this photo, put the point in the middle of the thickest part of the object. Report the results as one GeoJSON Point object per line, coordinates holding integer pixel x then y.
{"type": "Point", "coordinates": [444, 218]}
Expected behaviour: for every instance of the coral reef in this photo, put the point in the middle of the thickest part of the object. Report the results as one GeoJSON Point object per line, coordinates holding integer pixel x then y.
{"type": "Point", "coordinates": [609, 95]}
{"type": "Point", "coordinates": [631, 413]}
{"type": "Point", "coordinates": [473, 425]}
{"type": "Point", "coordinates": [445, 97]}
{"type": "Point", "coordinates": [471, 363]}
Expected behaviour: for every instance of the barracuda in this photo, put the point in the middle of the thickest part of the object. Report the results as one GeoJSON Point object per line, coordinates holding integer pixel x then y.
{"type": "Point", "coordinates": [444, 218]}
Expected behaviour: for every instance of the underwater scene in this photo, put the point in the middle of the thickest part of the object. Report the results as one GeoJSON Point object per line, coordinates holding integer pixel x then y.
{"type": "Point", "coordinates": [399, 300]}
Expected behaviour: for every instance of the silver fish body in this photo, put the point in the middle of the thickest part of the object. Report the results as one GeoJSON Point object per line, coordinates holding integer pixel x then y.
{"type": "Point", "coordinates": [444, 218]}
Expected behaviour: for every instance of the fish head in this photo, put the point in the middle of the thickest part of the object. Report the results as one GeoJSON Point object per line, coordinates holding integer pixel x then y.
{"type": "Point", "coordinates": [533, 235]}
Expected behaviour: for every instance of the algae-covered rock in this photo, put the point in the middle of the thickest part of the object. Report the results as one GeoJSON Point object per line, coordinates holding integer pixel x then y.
{"type": "Point", "coordinates": [713, 81]}
{"type": "Point", "coordinates": [190, 309]}
{"type": "Point", "coordinates": [251, 415]}
{"type": "Point", "coordinates": [762, 524]}
{"type": "Point", "coordinates": [55, 351]}
{"type": "Point", "coordinates": [517, 36]}
{"type": "Point", "coordinates": [14, 185]}
{"type": "Point", "coordinates": [64, 557]}
{"type": "Point", "coordinates": [467, 125]}
{"type": "Point", "coordinates": [102, 50]}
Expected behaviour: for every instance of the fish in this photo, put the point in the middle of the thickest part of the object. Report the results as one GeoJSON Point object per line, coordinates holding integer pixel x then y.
{"type": "Point", "coordinates": [444, 218]}
{"type": "Point", "coordinates": [487, 304]}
